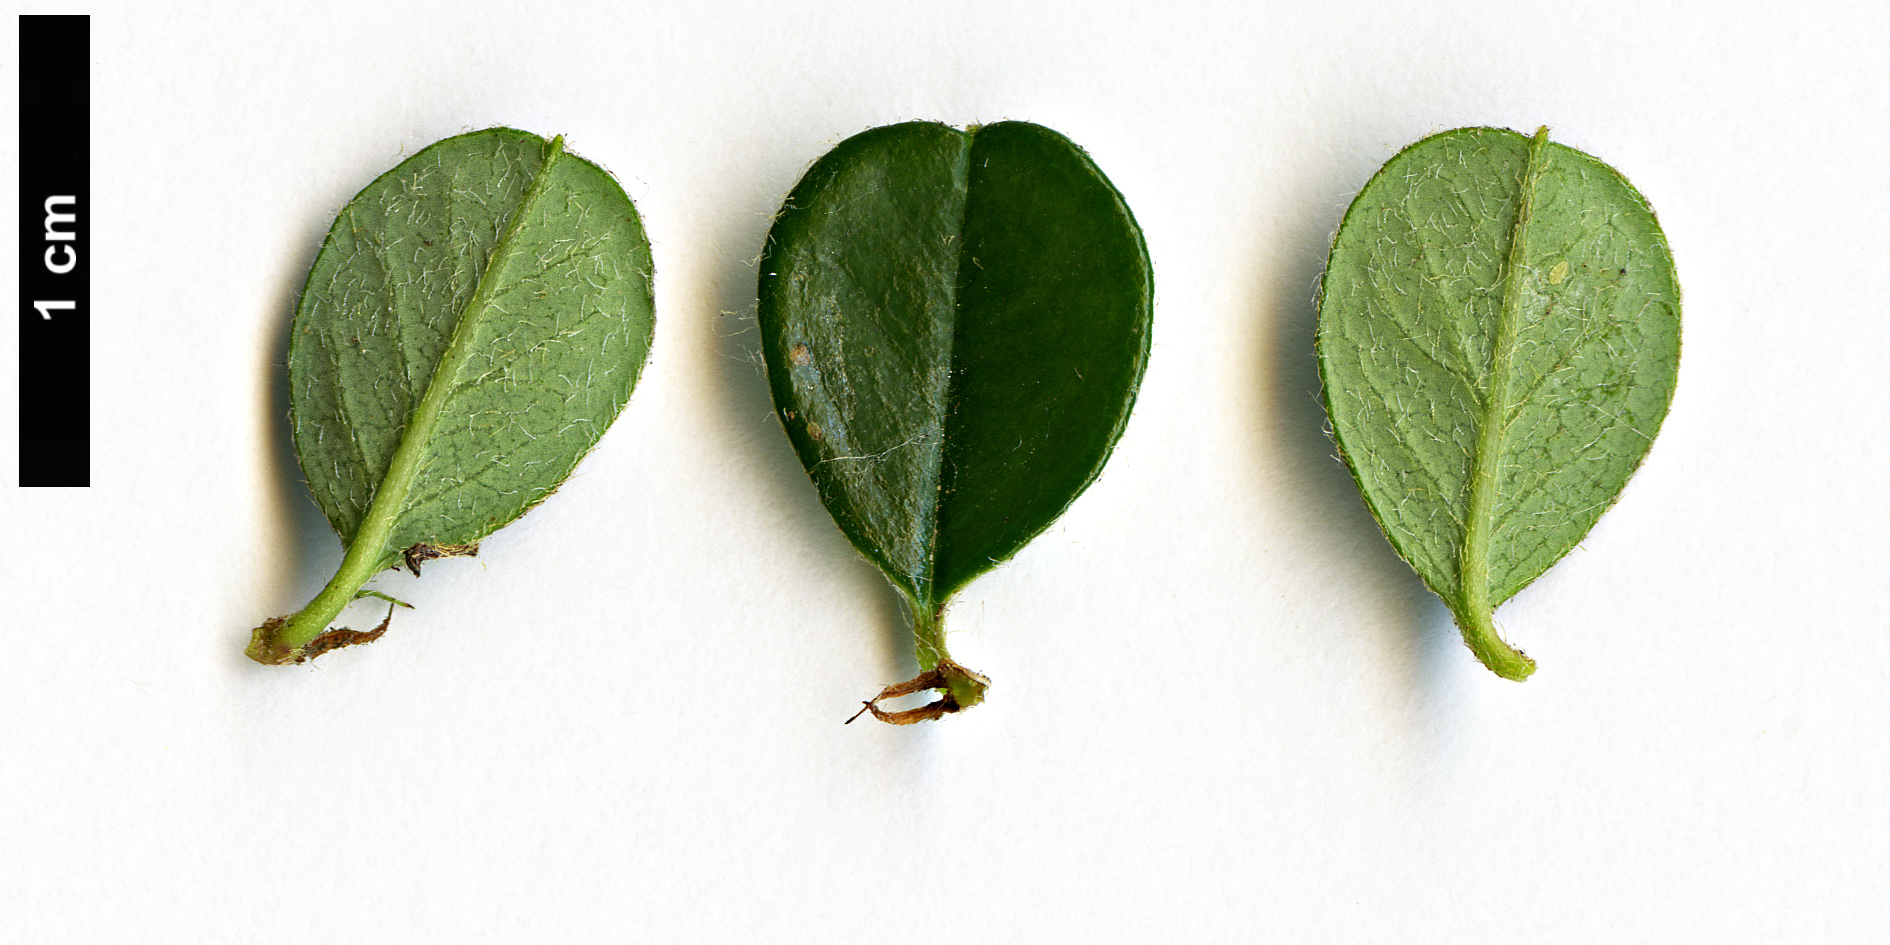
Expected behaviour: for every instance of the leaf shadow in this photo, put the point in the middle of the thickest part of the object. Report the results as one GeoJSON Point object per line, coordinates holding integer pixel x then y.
{"type": "Point", "coordinates": [302, 530]}
{"type": "Point", "coordinates": [740, 382]}
{"type": "Point", "coordinates": [1329, 498]}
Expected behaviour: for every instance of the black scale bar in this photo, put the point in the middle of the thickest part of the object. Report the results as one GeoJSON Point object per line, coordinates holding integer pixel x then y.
{"type": "Point", "coordinates": [55, 251]}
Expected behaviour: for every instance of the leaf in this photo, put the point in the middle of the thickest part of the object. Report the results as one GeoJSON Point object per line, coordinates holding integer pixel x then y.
{"type": "Point", "coordinates": [955, 324]}
{"type": "Point", "coordinates": [1499, 332]}
{"type": "Point", "coordinates": [475, 320]}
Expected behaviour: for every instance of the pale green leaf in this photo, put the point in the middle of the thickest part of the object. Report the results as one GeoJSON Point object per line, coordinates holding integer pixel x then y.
{"type": "Point", "coordinates": [1499, 333]}
{"type": "Point", "coordinates": [475, 320]}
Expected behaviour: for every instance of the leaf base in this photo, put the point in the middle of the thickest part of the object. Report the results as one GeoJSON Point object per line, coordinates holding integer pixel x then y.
{"type": "Point", "coordinates": [959, 688]}
{"type": "Point", "coordinates": [1501, 658]}
{"type": "Point", "coordinates": [267, 647]}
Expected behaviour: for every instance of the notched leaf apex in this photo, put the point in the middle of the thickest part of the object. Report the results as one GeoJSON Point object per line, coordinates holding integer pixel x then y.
{"type": "Point", "coordinates": [959, 689]}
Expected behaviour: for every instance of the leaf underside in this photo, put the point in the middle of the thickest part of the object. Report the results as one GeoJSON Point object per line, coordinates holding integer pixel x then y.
{"type": "Point", "coordinates": [557, 331]}
{"type": "Point", "coordinates": [1456, 346]}
{"type": "Point", "coordinates": [955, 324]}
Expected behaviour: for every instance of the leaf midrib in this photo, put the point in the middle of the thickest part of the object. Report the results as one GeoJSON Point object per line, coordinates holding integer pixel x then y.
{"type": "Point", "coordinates": [1473, 569]}
{"type": "Point", "coordinates": [390, 496]}
{"type": "Point", "coordinates": [961, 169]}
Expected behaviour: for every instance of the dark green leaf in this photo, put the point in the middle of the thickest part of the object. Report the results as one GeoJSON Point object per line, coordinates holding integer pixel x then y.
{"type": "Point", "coordinates": [955, 324]}
{"type": "Point", "coordinates": [1499, 333]}
{"type": "Point", "coordinates": [475, 320]}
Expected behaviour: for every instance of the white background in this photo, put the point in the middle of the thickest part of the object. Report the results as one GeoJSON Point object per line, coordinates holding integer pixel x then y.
{"type": "Point", "coordinates": [1223, 709]}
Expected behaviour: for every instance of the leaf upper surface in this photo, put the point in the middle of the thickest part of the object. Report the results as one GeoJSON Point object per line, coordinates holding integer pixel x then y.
{"type": "Point", "coordinates": [1446, 349]}
{"type": "Point", "coordinates": [955, 324]}
{"type": "Point", "coordinates": [543, 276]}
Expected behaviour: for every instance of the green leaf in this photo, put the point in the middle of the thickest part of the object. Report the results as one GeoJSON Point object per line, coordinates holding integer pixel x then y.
{"type": "Point", "coordinates": [475, 320]}
{"type": "Point", "coordinates": [1499, 332]}
{"type": "Point", "coordinates": [955, 324]}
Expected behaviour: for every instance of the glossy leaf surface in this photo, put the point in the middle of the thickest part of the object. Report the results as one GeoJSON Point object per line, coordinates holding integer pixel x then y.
{"type": "Point", "coordinates": [475, 320]}
{"type": "Point", "coordinates": [955, 325]}
{"type": "Point", "coordinates": [1499, 334]}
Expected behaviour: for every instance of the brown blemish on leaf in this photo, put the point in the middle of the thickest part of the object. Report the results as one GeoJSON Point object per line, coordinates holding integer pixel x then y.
{"type": "Point", "coordinates": [800, 356]}
{"type": "Point", "coordinates": [422, 553]}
